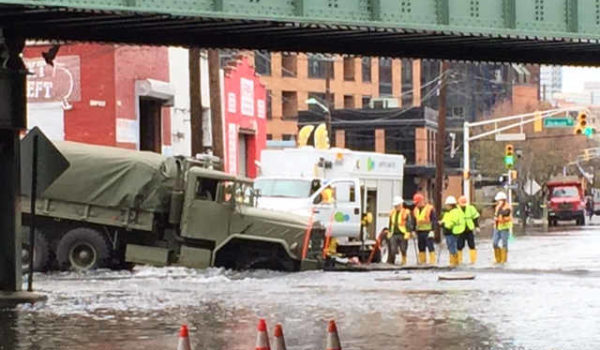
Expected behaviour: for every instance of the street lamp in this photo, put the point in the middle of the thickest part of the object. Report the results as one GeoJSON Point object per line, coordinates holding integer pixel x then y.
{"type": "Point", "coordinates": [315, 102]}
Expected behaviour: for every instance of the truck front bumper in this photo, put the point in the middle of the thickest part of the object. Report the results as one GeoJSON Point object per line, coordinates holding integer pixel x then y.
{"type": "Point", "coordinates": [566, 214]}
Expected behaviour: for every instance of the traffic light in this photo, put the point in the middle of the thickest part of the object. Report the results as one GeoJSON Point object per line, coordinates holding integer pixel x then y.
{"type": "Point", "coordinates": [580, 127]}
{"type": "Point", "coordinates": [509, 156]}
{"type": "Point", "coordinates": [589, 131]}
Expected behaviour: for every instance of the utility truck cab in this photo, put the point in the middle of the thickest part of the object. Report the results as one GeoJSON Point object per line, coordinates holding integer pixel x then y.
{"type": "Point", "coordinates": [338, 187]}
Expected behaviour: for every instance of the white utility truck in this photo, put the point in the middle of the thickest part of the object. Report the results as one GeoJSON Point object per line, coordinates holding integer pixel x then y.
{"type": "Point", "coordinates": [363, 183]}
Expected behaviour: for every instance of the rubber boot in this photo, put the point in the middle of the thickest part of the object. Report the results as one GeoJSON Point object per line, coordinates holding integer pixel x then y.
{"type": "Point", "coordinates": [503, 255]}
{"type": "Point", "coordinates": [422, 258]}
{"type": "Point", "coordinates": [403, 263]}
{"type": "Point", "coordinates": [453, 260]}
{"type": "Point", "coordinates": [459, 257]}
{"type": "Point", "coordinates": [497, 256]}
{"type": "Point", "coordinates": [473, 256]}
{"type": "Point", "coordinates": [432, 258]}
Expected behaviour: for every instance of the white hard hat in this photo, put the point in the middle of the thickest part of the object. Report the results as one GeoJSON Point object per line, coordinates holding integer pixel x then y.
{"type": "Point", "coordinates": [397, 200]}
{"type": "Point", "coordinates": [500, 196]}
{"type": "Point", "coordinates": [450, 200]}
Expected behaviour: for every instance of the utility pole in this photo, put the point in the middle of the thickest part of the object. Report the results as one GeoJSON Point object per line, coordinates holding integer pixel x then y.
{"type": "Point", "coordinates": [195, 101]}
{"type": "Point", "coordinates": [214, 72]}
{"type": "Point", "coordinates": [329, 99]}
{"type": "Point", "coordinates": [440, 145]}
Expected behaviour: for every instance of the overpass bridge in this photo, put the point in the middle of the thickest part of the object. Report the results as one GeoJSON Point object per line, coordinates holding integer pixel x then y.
{"type": "Point", "coordinates": [535, 31]}
{"type": "Point", "coordinates": [527, 31]}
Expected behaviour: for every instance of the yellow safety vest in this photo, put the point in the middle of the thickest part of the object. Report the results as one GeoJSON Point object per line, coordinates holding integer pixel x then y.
{"type": "Point", "coordinates": [471, 214]}
{"type": "Point", "coordinates": [503, 222]}
{"type": "Point", "coordinates": [398, 220]}
{"type": "Point", "coordinates": [423, 218]}
{"type": "Point", "coordinates": [454, 221]}
{"type": "Point", "coordinates": [327, 196]}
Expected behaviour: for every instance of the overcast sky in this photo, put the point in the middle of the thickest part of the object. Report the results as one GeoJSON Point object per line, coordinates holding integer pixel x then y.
{"type": "Point", "coordinates": [575, 77]}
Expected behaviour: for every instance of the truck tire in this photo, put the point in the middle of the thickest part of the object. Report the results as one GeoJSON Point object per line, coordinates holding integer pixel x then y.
{"type": "Point", "coordinates": [83, 249]}
{"type": "Point", "coordinates": [388, 251]}
{"type": "Point", "coordinates": [41, 251]}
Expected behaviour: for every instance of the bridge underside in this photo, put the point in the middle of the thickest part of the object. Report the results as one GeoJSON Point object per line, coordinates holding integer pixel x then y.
{"type": "Point", "coordinates": [66, 24]}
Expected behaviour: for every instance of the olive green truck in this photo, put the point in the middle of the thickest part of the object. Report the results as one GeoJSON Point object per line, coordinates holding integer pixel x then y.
{"type": "Point", "coordinates": [114, 208]}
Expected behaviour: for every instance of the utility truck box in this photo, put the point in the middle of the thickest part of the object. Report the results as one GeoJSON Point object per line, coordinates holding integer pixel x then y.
{"type": "Point", "coordinates": [363, 183]}
{"type": "Point", "coordinates": [115, 207]}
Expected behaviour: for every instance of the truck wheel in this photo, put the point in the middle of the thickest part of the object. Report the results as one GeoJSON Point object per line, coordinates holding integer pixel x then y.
{"type": "Point", "coordinates": [41, 251]}
{"type": "Point", "coordinates": [388, 253]}
{"type": "Point", "coordinates": [83, 249]}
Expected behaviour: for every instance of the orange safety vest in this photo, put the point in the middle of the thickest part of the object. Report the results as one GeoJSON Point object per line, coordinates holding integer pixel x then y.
{"type": "Point", "coordinates": [423, 218]}
{"type": "Point", "coordinates": [399, 220]}
{"type": "Point", "coordinates": [503, 222]}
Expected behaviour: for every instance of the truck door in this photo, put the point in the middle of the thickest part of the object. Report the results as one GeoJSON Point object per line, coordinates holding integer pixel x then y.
{"type": "Point", "coordinates": [207, 210]}
{"type": "Point", "coordinates": [342, 213]}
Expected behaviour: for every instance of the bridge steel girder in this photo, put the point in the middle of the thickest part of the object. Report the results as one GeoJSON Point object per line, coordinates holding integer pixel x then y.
{"type": "Point", "coordinates": [537, 31]}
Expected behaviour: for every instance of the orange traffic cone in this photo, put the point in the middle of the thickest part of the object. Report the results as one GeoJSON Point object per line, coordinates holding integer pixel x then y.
{"type": "Point", "coordinates": [279, 342]}
{"type": "Point", "coordinates": [184, 339]}
{"type": "Point", "coordinates": [262, 338]}
{"type": "Point", "coordinates": [333, 340]}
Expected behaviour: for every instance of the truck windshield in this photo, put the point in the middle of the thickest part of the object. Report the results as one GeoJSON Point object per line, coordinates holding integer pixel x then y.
{"type": "Point", "coordinates": [561, 192]}
{"type": "Point", "coordinates": [287, 188]}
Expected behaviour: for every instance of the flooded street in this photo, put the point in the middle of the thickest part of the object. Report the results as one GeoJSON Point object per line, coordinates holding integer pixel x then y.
{"type": "Point", "coordinates": [545, 298]}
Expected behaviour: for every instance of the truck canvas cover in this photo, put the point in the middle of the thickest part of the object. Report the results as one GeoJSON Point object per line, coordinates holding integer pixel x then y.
{"type": "Point", "coordinates": [114, 177]}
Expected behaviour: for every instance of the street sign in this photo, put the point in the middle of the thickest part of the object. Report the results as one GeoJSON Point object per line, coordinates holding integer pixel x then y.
{"type": "Point", "coordinates": [566, 122]}
{"type": "Point", "coordinates": [50, 162]}
{"type": "Point", "coordinates": [532, 187]}
{"type": "Point", "coordinates": [510, 137]}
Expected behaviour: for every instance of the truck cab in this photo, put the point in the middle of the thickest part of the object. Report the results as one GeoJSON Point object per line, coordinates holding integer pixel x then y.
{"type": "Point", "coordinates": [566, 200]}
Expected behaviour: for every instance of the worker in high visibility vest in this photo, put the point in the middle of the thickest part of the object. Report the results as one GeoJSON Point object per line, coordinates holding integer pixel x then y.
{"type": "Point", "coordinates": [453, 223]}
{"type": "Point", "coordinates": [327, 195]}
{"type": "Point", "coordinates": [472, 222]}
{"type": "Point", "coordinates": [503, 222]}
{"type": "Point", "coordinates": [399, 229]}
{"type": "Point", "coordinates": [425, 220]}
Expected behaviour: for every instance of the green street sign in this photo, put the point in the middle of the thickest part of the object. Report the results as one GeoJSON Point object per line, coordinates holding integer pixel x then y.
{"type": "Point", "coordinates": [566, 122]}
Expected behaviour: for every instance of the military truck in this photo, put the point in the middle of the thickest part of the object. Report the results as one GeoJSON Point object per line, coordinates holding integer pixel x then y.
{"type": "Point", "coordinates": [113, 208]}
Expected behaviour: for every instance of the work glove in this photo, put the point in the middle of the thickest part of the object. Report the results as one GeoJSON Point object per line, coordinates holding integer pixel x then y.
{"type": "Point", "coordinates": [407, 236]}
{"type": "Point", "coordinates": [431, 234]}
{"type": "Point", "coordinates": [388, 234]}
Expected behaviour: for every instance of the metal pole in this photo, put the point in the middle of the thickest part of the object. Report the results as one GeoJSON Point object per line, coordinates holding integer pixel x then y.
{"type": "Point", "coordinates": [509, 190]}
{"type": "Point", "coordinates": [440, 145]}
{"type": "Point", "coordinates": [34, 170]}
{"type": "Point", "coordinates": [329, 100]}
{"type": "Point", "coordinates": [466, 161]}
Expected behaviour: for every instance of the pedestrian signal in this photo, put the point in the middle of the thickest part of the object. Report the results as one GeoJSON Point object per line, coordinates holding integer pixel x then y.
{"type": "Point", "coordinates": [509, 156]}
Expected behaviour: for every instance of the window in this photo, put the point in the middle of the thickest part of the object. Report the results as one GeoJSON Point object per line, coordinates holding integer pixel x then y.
{"type": "Point", "coordinates": [285, 188]}
{"type": "Point", "coordinates": [401, 141]}
{"type": "Point", "coordinates": [349, 68]}
{"type": "Point", "coordinates": [430, 71]}
{"type": "Point", "coordinates": [407, 82]}
{"type": "Point", "coordinates": [385, 76]}
{"type": "Point", "coordinates": [269, 137]}
{"type": "Point", "coordinates": [289, 104]}
{"type": "Point", "coordinates": [289, 65]}
{"type": "Point", "coordinates": [319, 66]}
{"type": "Point", "coordinates": [366, 69]}
{"type": "Point", "coordinates": [262, 62]}
{"type": "Point", "coordinates": [269, 106]}
{"type": "Point", "coordinates": [344, 192]}
{"type": "Point", "coordinates": [360, 139]}
{"type": "Point", "coordinates": [458, 111]}
{"type": "Point", "coordinates": [348, 101]}
{"type": "Point", "coordinates": [206, 189]}
{"type": "Point", "coordinates": [365, 101]}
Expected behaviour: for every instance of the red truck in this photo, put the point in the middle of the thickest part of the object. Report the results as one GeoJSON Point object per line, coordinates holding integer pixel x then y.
{"type": "Point", "coordinates": [566, 200]}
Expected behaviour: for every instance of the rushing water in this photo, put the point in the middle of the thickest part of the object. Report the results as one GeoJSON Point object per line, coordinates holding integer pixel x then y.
{"type": "Point", "coordinates": [545, 298]}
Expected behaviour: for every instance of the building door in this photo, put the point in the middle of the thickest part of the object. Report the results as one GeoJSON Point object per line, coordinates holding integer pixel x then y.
{"type": "Point", "coordinates": [242, 155]}
{"type": "Point", "coordinates": [150, 124]}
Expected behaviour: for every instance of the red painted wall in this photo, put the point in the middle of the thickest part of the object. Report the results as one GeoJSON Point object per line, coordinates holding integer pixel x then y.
{"type": "Point", "coordinates": [85, 123]}
{"type": "Point", "coordinates": [108, 73]}
{"type": "Point", "coordinates": [245, 107]}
